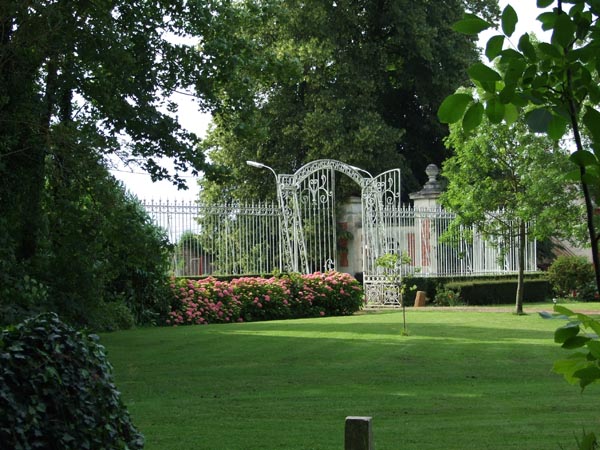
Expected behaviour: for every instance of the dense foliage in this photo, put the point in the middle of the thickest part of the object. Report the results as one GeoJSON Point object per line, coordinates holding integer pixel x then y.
{"type": "Point", "coordinates": [358, 81]}
{"type": "Point", "coordinates": [571, 276]}
{"type": "Point", "coordinates": [80, 81]}
{"type": "Point", "coordinates": [509, 182]}
{"type": "Point", "coordinates": [250, 299]}
{"type": "Point", "coordinates": [104, 263]}
{"type": "Point", "coordinates": [553, 84]}
{"type": "Point", "coordinates": [582, 367]}
{"type": "Point", "coordinates": [57, 391]}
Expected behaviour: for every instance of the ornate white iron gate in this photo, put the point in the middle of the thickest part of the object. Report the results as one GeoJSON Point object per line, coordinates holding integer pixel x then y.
{"type": "Point", "coordinates": [307, 201]}
{"type": "Point", "coordinates": [380, 200]}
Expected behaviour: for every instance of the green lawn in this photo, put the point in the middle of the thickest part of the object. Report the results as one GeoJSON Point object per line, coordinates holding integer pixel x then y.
{"type": "Point", "coordinates": [461, 380]}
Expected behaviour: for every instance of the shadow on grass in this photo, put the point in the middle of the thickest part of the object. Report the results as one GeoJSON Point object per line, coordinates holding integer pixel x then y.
{"type": "Point", "coordinates": [391, 331]}
{"type": "Point", "coordinates": [290, 384]}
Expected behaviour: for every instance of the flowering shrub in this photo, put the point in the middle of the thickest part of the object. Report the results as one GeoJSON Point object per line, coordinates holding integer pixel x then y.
{"type": "Point", "coordinates": [251, 299]}
{"type": "Point", "coordinates": [203, 301]}
{"type": "Point", "coordinates": [333, 293]}
{"type": "Point", "coordinates": [262, 298]}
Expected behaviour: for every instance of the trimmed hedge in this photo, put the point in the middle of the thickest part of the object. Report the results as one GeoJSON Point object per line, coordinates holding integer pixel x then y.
{"type": "Point", "coordinates": [497, 292]}
{"type": "Point", "coordinates": [57, 391]}
{"type": "Point", "coordinates": [210, 300]}
{"type": "Point", "coordinates": [479, 291]}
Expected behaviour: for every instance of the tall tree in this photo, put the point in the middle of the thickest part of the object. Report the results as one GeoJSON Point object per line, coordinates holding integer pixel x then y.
{"type": "Point", "coordinates": [93, 72]}
{"type": "Point", "coordinates": [508, 182]}
{"type": "Point", "coordinates": [79, 81]}
{"type": "Point", "coordinates": [354, 80]}
{"type": "Point", "coordinates": [558, 78]}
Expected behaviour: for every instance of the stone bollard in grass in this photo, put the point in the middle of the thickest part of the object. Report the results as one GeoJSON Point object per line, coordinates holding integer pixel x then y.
{"type": "Point", "coordinates": [420, 299]}
{"type": "Point", "coordinates": [358, 433]}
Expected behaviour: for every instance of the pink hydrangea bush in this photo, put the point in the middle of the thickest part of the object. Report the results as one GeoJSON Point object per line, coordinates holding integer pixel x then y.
{"type": "Point", "coordinates": [334, 293]}
{"type": "Point", "coordinates": [252, 299]}
{"type": "Point", "coordinates": [199, 302]}
{"type": "Point", "coordinates": [261, 298]}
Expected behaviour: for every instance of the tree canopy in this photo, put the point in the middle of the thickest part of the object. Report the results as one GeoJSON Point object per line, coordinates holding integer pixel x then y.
{"type": "Point", "coordinates": [359, 81]}
{"type": "Point", "coordinates": [509, 182]}
{"type": "Point", "coordinates": [557, 81]}
{"type": "Point", "coordinates": [81, 80]}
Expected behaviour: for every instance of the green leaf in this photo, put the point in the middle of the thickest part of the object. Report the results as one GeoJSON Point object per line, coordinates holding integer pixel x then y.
{"type": "Point", "coordinates": [494, 46]}
{"type": "Point", "coordinates": [557, 127]}
{"type": "Point", "coordinates": [520, 100]}
{"type": "Point", "coordinates": [511, 113]}
{"type": "Point", "coordinates": [482, 73]}
{"type": "Point", "coordinates": [527, 47]}
{"type": "Point", "coordinates": [587, 375]}
{"type": "Point", "coordinates": [549, 50]}
{"type": "Point", "coordinates": [591, 120]}
{"type": "Point", "coordinates": [588, 441]}
{"type": "Point", "coordinates": [509, 20]}
{"type": "Point", "coordinates": [575, 342]}
{"type": "Point", "coordinates": [507, 94]}
{"type": "Point", "coordinates": [539, 120]}
{"type": "Point", "coordinates": [564, 31]}
{"type": "Point", "coordinates": [594, 93]}
{"type": "Point", "coordinates": [471, 24]}
{"type": "Point", "coordinates": [495, 110]}
{"type": "Point", "coordinates": [544, 3]}
{"type": "Point", "coordinates": [567, 367]}
{"type": "Point", "coordinates": [548, 19]}
{"type": "Point", "coordinates": [473, 117]}
{"type": "Point", "coordinates": [591, 178]}
{"type": "Point", "coordinates": [453, 107]}
{"type": "Point", "coordinates": [566, 332]}
{"type": "Point", "coordinates": [563, 310]}
{"type": "Point", "coordinates": [583, 158]}
{"type": "Point", "coordinates": [573, 175]}
{"type": "Point", "coordinates": [594, 348]}
{"type": "Point", "coordinates": [514, 71]}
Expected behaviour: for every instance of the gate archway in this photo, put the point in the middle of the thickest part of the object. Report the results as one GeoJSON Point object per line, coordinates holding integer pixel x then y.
{"type": "Point", "coordinates": [309, 224]}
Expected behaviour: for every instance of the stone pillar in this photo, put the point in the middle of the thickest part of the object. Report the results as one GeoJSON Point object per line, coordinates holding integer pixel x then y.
{"type": "Point", "coordinates": [358, 434]}
{"type": "Point", "coordinates": [351, 219]}
{"type": "Point", "coordinates": [425, 235]}
{"type": "Point", "coordinates": [427, 198]}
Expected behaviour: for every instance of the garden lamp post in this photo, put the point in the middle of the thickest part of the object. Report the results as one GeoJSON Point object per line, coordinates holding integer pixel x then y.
{"type": "Point", "coordinates": [262, 166]}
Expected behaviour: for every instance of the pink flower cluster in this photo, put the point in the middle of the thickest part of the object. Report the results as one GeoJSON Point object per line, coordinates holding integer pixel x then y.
{"type": "Point", "coordinates": [250, 298]}
{"type": "Point", "coordinates": [203, 301]}
{"type": "Point", "coordinates": [335, 293]}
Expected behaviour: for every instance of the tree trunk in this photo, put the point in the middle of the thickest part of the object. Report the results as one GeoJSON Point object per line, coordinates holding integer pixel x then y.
{"type": "Point", "coordinates": [589, 207]}
{"type": "Point", "coordinates": [521, 273]}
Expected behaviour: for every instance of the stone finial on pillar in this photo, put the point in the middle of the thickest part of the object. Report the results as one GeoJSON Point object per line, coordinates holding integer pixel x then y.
{"type": "Point", "coordinates": [427, 197]}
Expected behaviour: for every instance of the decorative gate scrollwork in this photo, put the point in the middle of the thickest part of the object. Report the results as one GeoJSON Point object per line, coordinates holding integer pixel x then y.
{"type": "Point", "coordinates": [308, 223]}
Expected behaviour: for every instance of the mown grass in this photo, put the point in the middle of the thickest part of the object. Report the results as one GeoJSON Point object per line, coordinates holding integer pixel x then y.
{"type": "Point", "coordinates": [460, 380]}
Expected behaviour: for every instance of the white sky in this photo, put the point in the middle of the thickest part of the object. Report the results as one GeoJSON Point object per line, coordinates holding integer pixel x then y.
{"type": "Point", "coordinates": [191, 118]}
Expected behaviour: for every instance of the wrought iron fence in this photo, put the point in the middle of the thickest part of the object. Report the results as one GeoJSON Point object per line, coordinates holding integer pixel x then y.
{"type": "Point", "coordinates": [237, 239]}
{"type": "Point", "coordinates": [436, 249]}
{"type": "Point", "coordinates": [220, 239]}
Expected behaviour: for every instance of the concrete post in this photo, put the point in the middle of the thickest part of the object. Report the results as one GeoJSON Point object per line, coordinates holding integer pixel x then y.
{"type": "Point", "coordinates": [358, 433]}
{"type": "Point", "coordinates": [425, 203]}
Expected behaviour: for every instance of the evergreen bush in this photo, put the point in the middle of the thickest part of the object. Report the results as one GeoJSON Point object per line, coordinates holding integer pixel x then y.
{"type": "Point", "coordinates": [570, 275]}
{"type": "Point", "coordinates": [57, 391]}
